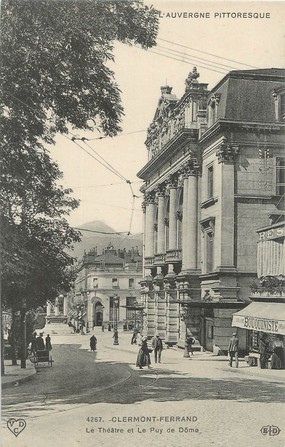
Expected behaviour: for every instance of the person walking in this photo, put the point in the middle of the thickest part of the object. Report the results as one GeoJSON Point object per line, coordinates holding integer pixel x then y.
{"type": "Point", "coordinates": [277, 359]}
{"type": "Point", "coordinates": [143, 358]}
{"type": "Point", "coordinates": [233, 349]}
{"type": "Point", "coordinates": [93, 343]}
{"type": "Point", "coordinates": [48, 343]}
{"type": "Point", "coordinates": [134, 338]}
{"type": "Point", "coordinates": [157, 348]}
{"type": "Point", "coordinates": [190, 341]}
{"type": "Point", "coordinates": [34, 343]}
{"type": "Point", "coordinates": [264, 351]}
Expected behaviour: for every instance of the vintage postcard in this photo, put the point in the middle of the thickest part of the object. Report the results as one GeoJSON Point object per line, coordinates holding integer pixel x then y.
{"type": "Point", "coordinates": [143, 223]}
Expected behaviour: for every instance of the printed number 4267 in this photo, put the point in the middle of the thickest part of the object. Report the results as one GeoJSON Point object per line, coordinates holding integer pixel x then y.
{"type": "Point", "coordinates": [94, 419]}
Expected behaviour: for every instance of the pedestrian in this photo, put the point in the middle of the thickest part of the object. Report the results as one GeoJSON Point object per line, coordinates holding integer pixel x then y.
{"type": "Point", "coordinates": [116, 336]}
{"type": "Point", "coordinates": [134, 338]}
{"type": "Point", "coordinates": [48, 343]}
{"type": "Point", "coordinates": [40, 344]}
{"type": "Point", "coordinates": [82, 325]}
{"type": "Point", "coordinates": [34, 343]}
{"type": "Point", "coordinates": [190, 340]}
{"type": "Point", "coordinates": [277, 359]}
{"type": "Point", "coordinates": [109, 327]}
{"type": "Point", "coordinates": [93, 343]}
{"type": "Point", "coordinates": [264, 351]}
{"type": "Point", "coordinates": [233, 349]}
{"type": "Point", "coordinates": [143, 358]}
{"type": "Point", "coordinates": [103, 327]}
{"type": "Point", "coordinates": [157, 348]}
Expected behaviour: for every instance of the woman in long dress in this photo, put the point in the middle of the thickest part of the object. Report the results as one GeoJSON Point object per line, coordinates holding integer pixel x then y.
{"type": "Point", "coordinates": [143, 358]}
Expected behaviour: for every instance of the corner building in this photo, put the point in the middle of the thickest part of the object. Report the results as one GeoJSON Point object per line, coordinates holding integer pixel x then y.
{"type": "Point", "coordinates": [212, 178]}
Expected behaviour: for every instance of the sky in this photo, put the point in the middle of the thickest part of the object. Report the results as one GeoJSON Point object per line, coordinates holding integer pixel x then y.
{"type": "Point", "coordinates": [252, 42]}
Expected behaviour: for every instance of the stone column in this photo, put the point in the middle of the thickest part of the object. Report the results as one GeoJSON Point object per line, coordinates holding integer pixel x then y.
{"type": "Point", "coordinates": [90, 312]}
{"type": "Point", "coordinates": [225, 230]}
{"type": "Point", "coordinates": [191, 261]}
{"type": "Point", "coordinates": [160, 222]}
{"type": "Point", "coordinates": [65, 305]}
{"type": "Point", "coordinates": [184, 222]}
{"type": "Point", "coordinates": [149, 226]}
{"type": "Point", "coordinates": [172, 216]}
{"type": "Point", "coordinates": [56, 307]}
{"type": "Point", "coordinates": [48, 309]}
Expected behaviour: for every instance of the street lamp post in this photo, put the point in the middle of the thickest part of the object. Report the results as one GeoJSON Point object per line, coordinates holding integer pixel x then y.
{"type": "Point", "coordinates": [116, 307]}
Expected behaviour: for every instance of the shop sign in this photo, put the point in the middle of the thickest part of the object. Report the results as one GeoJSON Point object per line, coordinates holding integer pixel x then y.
{"type": "Point", "coordinates": [272, 233]}
{"type": "Point", "coordinates": [259, 324]}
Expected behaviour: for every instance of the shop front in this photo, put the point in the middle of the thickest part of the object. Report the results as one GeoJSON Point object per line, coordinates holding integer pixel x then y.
{"type": "Point", "coordinates": [265, 326]}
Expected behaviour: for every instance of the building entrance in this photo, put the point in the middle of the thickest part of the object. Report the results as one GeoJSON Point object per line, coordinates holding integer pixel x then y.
{"type": "Point", "coordinates": [98, 314]}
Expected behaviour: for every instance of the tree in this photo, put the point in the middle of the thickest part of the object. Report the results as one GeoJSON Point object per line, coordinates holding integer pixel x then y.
{"type": "Point", "coordinates": [55, 56]}
{"type": "Point", "coordinates": [55, 74]}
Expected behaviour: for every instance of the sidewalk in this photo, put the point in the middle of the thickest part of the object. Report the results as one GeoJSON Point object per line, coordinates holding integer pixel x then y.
{"type": "Point", "coordinates": [15, 375]}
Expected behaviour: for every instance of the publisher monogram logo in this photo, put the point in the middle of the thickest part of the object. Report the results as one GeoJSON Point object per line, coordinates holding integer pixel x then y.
{"type": "Point", "coordinates": [16, 426]}
{"type": "Point", "coordinates": [270, 430]}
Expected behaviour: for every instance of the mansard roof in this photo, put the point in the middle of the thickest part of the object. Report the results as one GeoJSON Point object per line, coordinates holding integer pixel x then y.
{"type": "Point", "coordinates": [247, 95]}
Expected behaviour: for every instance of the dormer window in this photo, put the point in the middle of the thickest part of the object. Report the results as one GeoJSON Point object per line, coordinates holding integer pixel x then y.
{"type": "Point", "coordinates": [279, 100]}
{"type": "Point", "coordinates": [213, 109]}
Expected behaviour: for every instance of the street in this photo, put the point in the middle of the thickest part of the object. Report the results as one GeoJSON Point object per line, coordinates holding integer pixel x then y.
{"type": "Point", "coordinates": [86, 393]}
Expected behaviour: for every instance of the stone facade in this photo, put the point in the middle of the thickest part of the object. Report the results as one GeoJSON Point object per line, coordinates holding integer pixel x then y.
{"type": "Point", "coordinates": [103, 278]}
{"type": "Point", "coordinates": [210, 181]}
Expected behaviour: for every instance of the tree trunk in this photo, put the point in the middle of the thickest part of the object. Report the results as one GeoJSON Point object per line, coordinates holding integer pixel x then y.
{"type": "Point", "coordinates": [23, 337]}
{"type": "Point", "coordinates": [13, 341]}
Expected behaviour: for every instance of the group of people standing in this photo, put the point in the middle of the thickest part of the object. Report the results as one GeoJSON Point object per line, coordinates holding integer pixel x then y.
{"type": "Point", "coordinates": [39, 344]}
{"type": "Point", "coordinates": [143, 357]}
{"type": "Point", "coordinates": [267, 349]}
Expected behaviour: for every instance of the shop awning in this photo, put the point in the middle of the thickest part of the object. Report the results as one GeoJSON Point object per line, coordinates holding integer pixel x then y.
{"type": "Point", "coordinates": [261, 317]}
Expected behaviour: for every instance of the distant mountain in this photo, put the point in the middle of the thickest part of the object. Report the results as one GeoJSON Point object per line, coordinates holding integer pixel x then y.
{"type": "Point", "coordinates": [102, 239]}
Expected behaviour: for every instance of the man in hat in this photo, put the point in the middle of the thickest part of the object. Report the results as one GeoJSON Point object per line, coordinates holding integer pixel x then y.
{"type": "Point", "coordinates": [40, 344]}
{"type": "Point", "coordinates": [157, 348]}
{"type": "Point", "coordinates": [233, 349]}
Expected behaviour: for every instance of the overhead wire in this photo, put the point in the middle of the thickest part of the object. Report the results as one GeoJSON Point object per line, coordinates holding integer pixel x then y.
{"type": "Point", "coordinates": [185, 55]}
{"type": "Point", "coordinates": [186, 62]}
{"type": "Point", "coordinates": [205, 52]}
{"type": "Point", "coordinates": [107, 165]}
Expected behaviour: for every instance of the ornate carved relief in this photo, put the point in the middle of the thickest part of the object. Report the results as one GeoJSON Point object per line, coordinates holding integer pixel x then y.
{"type": "Point", "coordinates": [172, 180]}
{"type": "Point", "coordinates": [191, 79]}
{"type": "Point", "coordinates": [149, 198]}
{"type": "Point", "coordinates": [227, 151]}
{"type": "Point", "coordinates": [191, 167]}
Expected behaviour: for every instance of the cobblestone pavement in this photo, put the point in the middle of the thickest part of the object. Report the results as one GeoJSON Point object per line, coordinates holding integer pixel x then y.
{"type": "Point", "coordinates": [196, 402]}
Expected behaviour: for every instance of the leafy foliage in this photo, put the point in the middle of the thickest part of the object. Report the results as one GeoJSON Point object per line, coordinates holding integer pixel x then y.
{"type": "Point", "coordinates": [55, 73]}
{"type": "Point", "coordinates": [55, 56]}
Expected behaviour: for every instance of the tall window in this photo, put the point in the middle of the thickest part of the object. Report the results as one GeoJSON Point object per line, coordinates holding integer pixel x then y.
{"type": "Point", "coordinates": [210, 182]}
{"type": "Point", "coordinates": [112, 309]}
{"type": "Point", "coordinates": [209, 252]}
{"type": "Point", "coordinates": [131, 283]}
{"type": "Point", "coordinates": [95, 283]}
{"type": "Point", "coordinates": [282, 107]}
{"type": "Point", "coordinates": [280, 176]}
{"type": "Point", "coordinates": [130, 301]}
{"type": "Point", "coordinates": [208, 228]}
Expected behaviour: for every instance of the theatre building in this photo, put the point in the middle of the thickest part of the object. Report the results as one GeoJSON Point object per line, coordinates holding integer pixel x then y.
{"type": "Point", "coordinates": [213, 176]}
